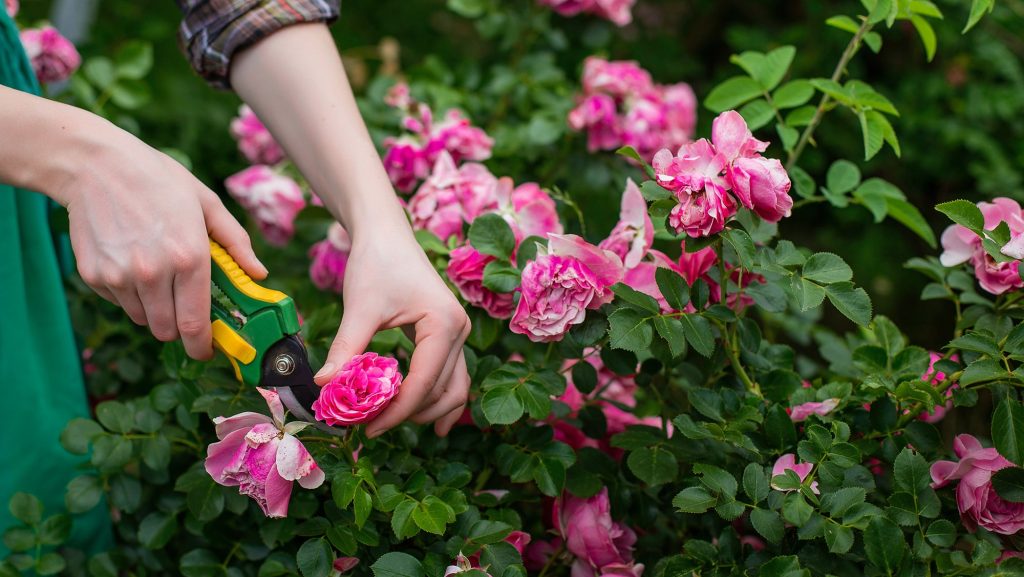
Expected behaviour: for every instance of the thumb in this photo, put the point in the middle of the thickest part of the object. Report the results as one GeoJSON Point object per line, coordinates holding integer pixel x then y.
{"type": "Point", "coordinates": [353, 336]}
{"type": "Point", "coordinates": [224, 229]}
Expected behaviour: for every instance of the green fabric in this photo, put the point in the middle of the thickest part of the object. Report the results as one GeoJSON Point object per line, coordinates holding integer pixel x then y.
{"type": "Point", "coordinates": [39, 362]}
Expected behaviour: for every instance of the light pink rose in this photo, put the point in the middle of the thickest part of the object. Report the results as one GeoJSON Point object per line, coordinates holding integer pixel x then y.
{"type": "Point", "coordinates": [460, 138]}
{"type": "Point", "coordinates": [254, 140]}
{"type": "Point", "coordinates": [597, 115]}
{"type": "Point", "coordinates": [733, 139]}
{"type": "Point", "coordinates": [329, 258]}
{"type": "Point", "coordinates": [800, 412]}
{"type": "Point", "coordinates": [633, 236]}
{"type": "Point", "coordinates": [960, 245]}
{"type": "Point", "coordinates": [12, 7]}
{"type": "Point", "coordinates": [528, 209]}
{"type": "Point", "coordinates": [619, 12]}
{"type": "Point", "coordinates": [977, 500]}
{"type": "Point", "coordinates": [618, 78]}
{"type": "Point", "coordinates": [693, 168]}
{"type": "Point", "coordinates": [398, 96]}
{"type": "Point", "coordinates": [273, 199]}
{"type": "Point", "coordinates": [360, 391]}
{"type": "Point", "coordinates": [642, 277]}
{"type": "Point", "coordinates": [261, 456]}
{"type": "Point", "coordinates": [463, 565]}
{"type": "Point", "coordinates": [590, 533]}
{"type": "Point", "coordinates": [788, 462]}
{"type": "Point", "coordinates": [53, 56]}
{"type": "Point", "coordinates": [680, 114]}
{"type": "Point", "coordinates": [762, 184]}
{"type": "Point", "coordinates": [567, 278]}
{"type": "Point", "coordinates": [466, 271]}
{"type": "Point", "coordinates": [345, 564]}
{"type": "Point", "coordinates": [702, 213]}
{"type": "Point", "coordinates": [452, 196]}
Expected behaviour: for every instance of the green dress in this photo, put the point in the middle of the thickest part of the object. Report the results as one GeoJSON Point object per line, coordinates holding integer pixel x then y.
{"type": "Point", "coordinates": [40, 371]}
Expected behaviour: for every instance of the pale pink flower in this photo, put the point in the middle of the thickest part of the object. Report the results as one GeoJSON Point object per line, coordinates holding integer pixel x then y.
{"type": "Point", "coordinates": [463, 565]}
{"type": "Point", "coordinates": [702, 213]}
{"type": "Point", "coordinates": [567, 278]}
{"type": "Point", "coordinates": [398, 96]}
{"type": "Point", "coordinates": [617, 78]}
{"type": "Point", "coordinates": [633, 236]}
{"type": "Point", "coordinates": [619, 12]}
{"type": "Point", "coordinates": [1014, 248]}
{"type": "Point", "coordinates": [452, 196]}
{"type": "Point", "coordinates": [695, 167]}
{"type": "Point", "coordinates": [788, 462]}
{"type": "Point", "coordinates": [12, 7]}
{"type": "Point", "coordinates": [460, 138]}
{"type": "Point", "coordinates": [329, 258]}
{"type": "Point", "coordinates": [762, 184]}
{"type": "Point", "coordinates": [53, 56]}
{"type": "Point", "coordinates": [597, 114]}
{"type": "Point", "coordinates": [680, 105]}
{"type": "Point", "coordinates": [360, 391]}
{"type": "Point", "coordinates": [961, 245]}
{"type": "Point", "coordinates": [466, 271]}
{"type": "Point", "coordinates": [979, 504]}
{"type": "Point", "coordinates": [273, 199]}
{"type": "Point", "coordinates": [590, 533]}
{"type": "Point", "coordinates": [733, 139]}
{"type": "Point", "coordinates": [254, 140]}
{"type": "Point", "coordinates": [800, 412]}
{"type": "Point", "coordinates": [528, 209]}
{"type": "Point", "coordinates": [345, 564]}
{"type": "Point", "coordinates": [261, 456]}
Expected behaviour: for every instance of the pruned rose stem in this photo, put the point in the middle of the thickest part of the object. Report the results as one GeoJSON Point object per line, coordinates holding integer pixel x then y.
{"type": "Point", "coordinates": [844, 61]}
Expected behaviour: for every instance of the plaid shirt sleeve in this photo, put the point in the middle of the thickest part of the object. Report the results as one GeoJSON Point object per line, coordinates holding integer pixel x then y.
{"type": "Point", "coordinates": [214, 30]}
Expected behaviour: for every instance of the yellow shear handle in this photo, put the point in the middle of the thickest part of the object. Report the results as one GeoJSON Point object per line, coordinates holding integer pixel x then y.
{"type": "Point", "coordinates": [226, 339]}
{"type": "Point", "coordinates": [239, 279]}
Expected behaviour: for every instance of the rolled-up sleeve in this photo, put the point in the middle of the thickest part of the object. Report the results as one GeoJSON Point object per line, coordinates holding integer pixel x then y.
{"type": "Point", "coordinates": [213, 31]}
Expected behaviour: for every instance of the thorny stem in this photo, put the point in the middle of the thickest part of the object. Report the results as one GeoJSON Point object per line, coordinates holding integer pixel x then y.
{"type": "Point", "coordinates": [851, 50]}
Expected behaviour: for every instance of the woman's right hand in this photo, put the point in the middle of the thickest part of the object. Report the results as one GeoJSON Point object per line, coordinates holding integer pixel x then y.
{"type": "Point", "coordinates": [140, 229]}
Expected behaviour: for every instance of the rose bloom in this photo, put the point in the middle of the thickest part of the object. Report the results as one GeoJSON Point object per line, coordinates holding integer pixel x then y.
{"type": "Point", "coordinates": [591, 535]}
{"type": "Point", "coordinates": [619, 12]}
{"type": "Point", "coordinates": [762, 184]}
{"type": "Point", "coordinates": [597, 115]}
{"type": "Point", "coordinates": [960, 245]}
{"type": "Point", "coordinates": [801, 412]}
{"type": "Point", "coordinates": [935, 378]}
{"type": "Point", "coordinates": [359, 392]}
{"type": "Point", "coordinates": [788, 462]}
{"type": "Point", "coordinates": [452, 196]}
{"type": "Point", "coordinates": [53, 56]}
{"type": "Point", "coordinates": [345, 564]}
{"type": "Point", "coordinates": [460, 138]}
{"type": "Point", "coordinates": [617, 78]}
{"type": "Point", "coordinates": [262, 457]}
{"type": "Point", "coordinates": [12, 7]}
{"type": "Point", "coordinates": [732, 137]}
{"type": "Point", "coordinates": [406, 163]}
{"type": "Point", "coordinates": [466, 271]}
{"type": "Point", "coordinates": [558, 287]}
{"type": "Point", "coordinates": [633, 236]}
{"type": "Point", "coordinates": [702, 213]}
{"type": "Point", "coordinates": [254, 140]}
{"type": "Point", "coordinates": [273, 199]}
{"type": "Point", "coordinates": [528, 209]}
{"type": "Point", "coordinates": [979, 504]}
{"type": "Point", "coordinates": [329, 258]}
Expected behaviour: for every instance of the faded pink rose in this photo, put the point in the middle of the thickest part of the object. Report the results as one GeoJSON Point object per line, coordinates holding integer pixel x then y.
{"type": "Point", "coordinates": [633, 236]}
{"type": "Point", "coordinates": [460, 138]}
{"type": "Point", "coordinates": [452, 196]}
{"type": "Point", "coordinates": [591, 534]}
{"type": "Point", "coordinates": [960, 245]}
{"type": "Point", "coordinates": [345, 564]}
{"type": "Point", "coordinates": [360, 391]}
{"type": "Point", "coordinates": [528, 209]}
{"type": "Point", "coordinates": [329, 258]}
{"type": "Point", "coordinates": [273, 199]}
{"type": "Point", "coordinates": [254, 140]}
{"type": "Point", "coordinates": [702, 213]}
{"type": "Point", "coordinates": [619, 12]}
{"type": "Point", "coordinates": [1014, 248]}
{"type": "Point", "coordinates": [261, 456]}
{"type": "Point", "coordinates": [680, 105]}
{"type": "Point", "coordinates": [800, 412]}
{"type": "Point", "coordinates": [979, 504]}
{"type": "Point", "coordinates": [466, 271]}
{"type": "Point", "coordinates": [53, 56]}
{"type": "Point", "coordinates": [567, 278]}
{"type": "Point", "coordinates": [762, 184]}
{"type": "Point", "coordinates": [12, 7]}
{"type": "Point", "coordinates": [788, 462]}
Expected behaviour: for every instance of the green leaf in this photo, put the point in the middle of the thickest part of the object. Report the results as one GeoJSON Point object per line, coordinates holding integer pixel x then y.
{"type": "Point", "coordinates": [201, 563]}
{"type": "Point", "coordinates": [501, 277]}
{"type": "Point", "coordinates": [911, 472]}
{"type": "Point", "coordinates": [630, 330]}
{"type": "Point", "coordinates": [1008, 430]}
{"type": "Point", "coordinates": [843, 176]}
{"type": "Point", "coordinates": [699, 334]}
{"type": "Point", "coordinates": [502, 406]}
{"type": "Point", "coordinates": [315, 558]}
{"type": "Point", "coordinates": [468, 8]}
{"type": "Point", "coordinates": [642, 301]}
{"type": "Point", "coordinates": [827, 268]}
{"type": "Point", "coordinates": [490, 234]}
{"type": "Point", "coordinates": [630, 152]}
{"type": "Point", "coordinates": [77, 435]}
{"type": "Point", "coordinates": [156, 530]}
{"type": "Point", "coordinates": [811, 294]}
{"type": "Point", "coordinates": [839, 538]}
{"type": "Point", "coordinates": [83, 493]}
{"type": "Point", "coordinates": [768, 524]}
{"type": "Point", "coordinates": [54, 530]}
{"type": "Point", "coordinates": [1009, 484]}
{"type": "Point", "coordinates": [26, 508]}
{"type": "Point", "coordinates": [927, 34]}
{"type": "Point", "coordinates": [757, 113]}
{"type": "Point", "coordinates": [100, 71]}
{"type": "Point", "coordinates": [767, 69]}
{"type": "Point", "coordinates": [401, 520]}
{"type": "Point", "coordinates": [673, 287]}
{"type": "Point", "coordinates": [362, 505]}
{"type": "Point", "coordinates": [584, 377]}
{"type": "Point", "coordinates": [134, 60]}
{"type": "Point", "coordinates": [942, 533]}
{"type": "Point", "coordinates": [742, 244]}
{"type": "Point", "coordinates": [802, 182]}
{"type": "Point", "coordinates": [844, 23]}
{"type": "Point", "coordinates": [206, 501]}
{"type": "Point", "coordinates": [50, 564]}
{"type": "Point", "coordinates": [884, 544]}
{"type": "Point", "coordinates": [653, 465]}
{"type": "Point", "coordinates": [549, 474]}
{"type": "Point", "coordinates": [964, 213]}
{"type": "Point", "coordinates": [978, 10]}
{"type": "Point", "coordinates": [115, 416]}
{"type": "Point", "coordinates": [793, 93]}
{"type": "Point", "coordinates": [431, 515]}
{"type": "Point", "coordinates": [877, 131]}
{"type": "Point", "coordinates": [694, 500]}
{"type": "Point", "coordinates": [853, 302]}
{"type": "Point", "coordinates": [129, 94]}
{"type": "Point", "coordinates": [908, 215]}
{"type": "Point", "coordinates": [982, 371]}
{"type": "Point", "coordinates": [485, 532]}
{"type": "Point", "coordinates": [671, 329]}
{"type": "Point", "coordinates": [836, 504]}
{"type": "Point", "coordinates": [732, 93]}
{"type": "Point", "coordinates": [755, 483]}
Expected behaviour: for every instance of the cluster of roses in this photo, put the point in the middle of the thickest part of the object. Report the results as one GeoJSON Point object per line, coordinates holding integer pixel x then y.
{"type": "Point", "coordinates": [619, 12]}
{"type": "Point", "coordinates": [622, 106]}
{"type": "Point", "coordinates": [53, 57]}
{"type": "Point", "coordinates": [963, 246]}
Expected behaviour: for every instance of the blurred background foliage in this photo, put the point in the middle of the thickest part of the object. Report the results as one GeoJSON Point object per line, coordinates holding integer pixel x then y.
{"type": "Point", "coordinates": [961, 129]}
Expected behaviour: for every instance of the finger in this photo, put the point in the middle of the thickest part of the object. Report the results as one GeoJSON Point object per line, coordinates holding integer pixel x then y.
{"type": "Point", "coordinates": [224, 229]}
{"type": "Point", "coordinates": [192, 307]}
{"type": "Point", "coordinates": [432, 350]}
{"type": "Point", "coordinates": [128, 299]}
{"type": "Point", "coordinates": [354, 334]}
{"type": "Point", "coordinates": [455, 395]}
{"type": "Point", "coordinates": [441, 384]}
{"type": "Point", "coordinates": [157, 296]}
{"type": "Point", "coordinates": [444, 425]}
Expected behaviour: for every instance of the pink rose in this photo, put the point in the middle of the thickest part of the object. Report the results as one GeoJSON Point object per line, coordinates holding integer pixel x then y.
{"type": "Point", "coordinates": [695, 265]}
{"type": "Point", "coordinates": [329, 258]}
{"type": "Point", "coordinates": [460, 138]}
{"type": "Point", "coordinates": [12, 7]}
{"type": "Point", "coordinates": [800, 412]}
{"type": "Point", "coordinates": [788, 462]}
{"type": "Point", "coordinates": [345, 564]}
{"type": "Point", "coordinates": [702, 213]}
{"type": "Point", "coordinates": [53, 56]}
{"type": "Point", "coordinates": [617, 570]}
{"type": "Point", "coordinates": [618, 78]}
{"type": "Point", "coordinates": [405, 162]}
{"type": "Point", "coordinates": [597, 115]}
{"type": "Point", "coordinates": [680, 114]}
{"type": "Point", "coordinates": [960, 245]}
{"type": "Point", "coordinates": [567, 278]}
{"type": "Point", "coordinates": [979, 504]}
{"type": "Point", "coordinates": [618, 12]}
{"type": "Point", "coordinates": [693, 168]}
{"type": "Point", "coordinates": [733, 139]}
{"type": "Point", "coordinates": [399, 96]}
{"type": "Point", "coordinates": [590, 534]}
{"type": "Point", "coordinates": [463, 565]}
{"type": "Point", "coordinates": [466, 271]}
{"type": "Point", "coordinates": [762, 184]}
{"type": "Point", "coordinates": [528, 209]}
{"type": "Point", "coordinates": [254, 140]}
{"type": "Point", "coordinates": [452, 196]}
{"type": "Point", "coordinates": [1014, 248]}
{"type": "Point", "coordinates": [935, 378]}
{"type": "Point", "coordinates": [261, 456]}
{"type": "Point", "coordinates": [360, 391]}
{"type": "Point", "coordinates": [633, 236]}
{"type": "Point", "coordinates": [273, 199]}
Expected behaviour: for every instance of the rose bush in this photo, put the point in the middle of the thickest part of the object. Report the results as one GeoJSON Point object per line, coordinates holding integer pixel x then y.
{"type": "Point", "coordinates": [666, 395]}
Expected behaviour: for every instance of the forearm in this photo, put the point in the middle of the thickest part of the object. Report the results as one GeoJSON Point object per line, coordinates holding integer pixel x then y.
{"type": "Point", "coordinates": [295, 82]}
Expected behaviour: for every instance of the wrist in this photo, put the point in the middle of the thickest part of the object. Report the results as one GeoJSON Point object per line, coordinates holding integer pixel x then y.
{"type": "Point", "coordinates": [82, 145]}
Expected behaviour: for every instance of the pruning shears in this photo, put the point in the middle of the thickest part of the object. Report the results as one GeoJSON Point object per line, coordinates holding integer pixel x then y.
{"type": "Point", "coordinates": [258, 330]}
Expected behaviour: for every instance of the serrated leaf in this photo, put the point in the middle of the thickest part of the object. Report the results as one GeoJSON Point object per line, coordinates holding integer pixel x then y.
{"type": "Point", "coordinates": [490, 234]}
{"type": "Point", "coordinates": [732, 93]}
{"type": "Point", "coordinates": [842, 177]}
{"type": "Point", "coordinates": [397, 565]}
{"type": "Point", "coordinates": [653, 465]}
{"type": "Point", "coordinates": [630, 330]}
{"type": "Point", "coordinates": [852, 301]}
{"type": "Point", "coordinates": [827, 268]}
{"type": "Point", "coordinates": [699, 334]}
{"type": "Point", "coordinates": [694, 500]}
{"type": "Point", "coordinates": [673, 287]}
{"type": "Point", "coordinates": [1008, 430]}
{"type": "Point", "coordinates": [793, 94]}
{"type": "Point", "coordinates": [978, 10]}
{"type": "Point", "coordinates": [671, 329]}
{"type": "Point", "coordinates": [884, 544]}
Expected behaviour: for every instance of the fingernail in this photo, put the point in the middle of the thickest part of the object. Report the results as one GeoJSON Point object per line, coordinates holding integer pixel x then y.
{"type": "Point", "coordinates": [325, 371]}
